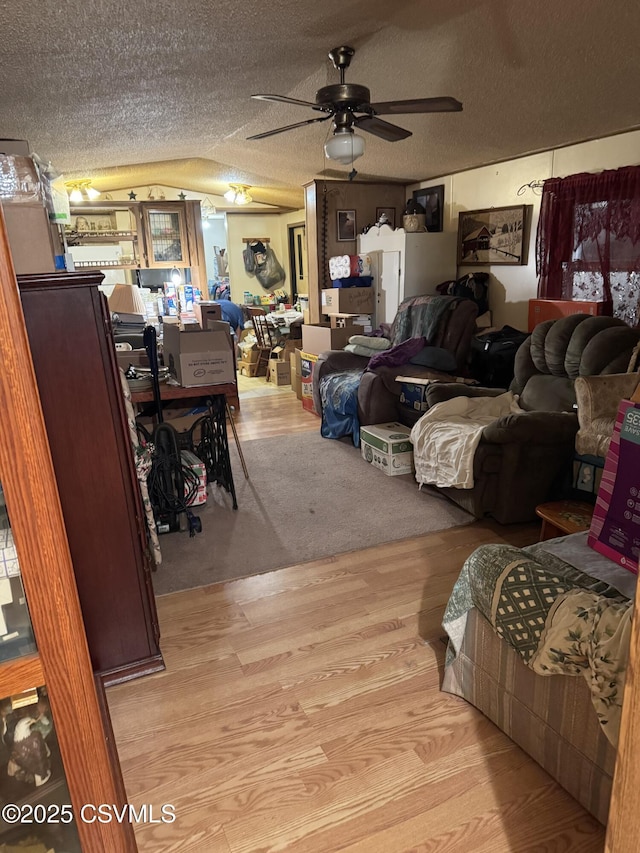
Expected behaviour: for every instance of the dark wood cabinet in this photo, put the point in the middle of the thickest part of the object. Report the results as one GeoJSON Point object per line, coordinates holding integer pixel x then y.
{"type": "Point", "coordinates": [69, 331]}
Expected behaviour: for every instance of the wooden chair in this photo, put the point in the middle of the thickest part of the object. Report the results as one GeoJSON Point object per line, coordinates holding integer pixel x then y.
{"type": "Point", "coordinates": [265, 336]}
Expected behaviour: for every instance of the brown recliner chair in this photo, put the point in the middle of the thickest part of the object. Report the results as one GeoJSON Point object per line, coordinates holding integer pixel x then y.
{"type": "Point", "coordinates": [378, 392]}
{"type": "Point", "coordinates": [521, 458]}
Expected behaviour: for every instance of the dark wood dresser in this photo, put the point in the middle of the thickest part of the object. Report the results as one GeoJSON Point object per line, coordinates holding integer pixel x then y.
{"type": "Point", "coordinates": [70, 335]}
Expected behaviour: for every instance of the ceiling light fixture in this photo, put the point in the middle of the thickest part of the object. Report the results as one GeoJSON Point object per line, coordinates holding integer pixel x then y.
{"type": "Point", "coordinates": [81, 190]}
{"type": "Point", "coordinates": [345, 146]}
{"type": "Point", "coordinates": [238, 194]}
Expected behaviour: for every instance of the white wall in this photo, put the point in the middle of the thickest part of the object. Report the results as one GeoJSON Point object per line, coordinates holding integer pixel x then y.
{"type": "Point", "coordinates": [214, 233]}
{"type": "Point", "coordinates": [511, 287]}
{"type": "Point", "coordinates": [273, 226]}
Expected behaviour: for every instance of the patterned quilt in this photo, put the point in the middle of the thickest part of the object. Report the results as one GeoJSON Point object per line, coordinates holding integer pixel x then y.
{"type": "Point", "coordinates": [339, 397]}
{"type": "Point", "coordinates": [560, 620]}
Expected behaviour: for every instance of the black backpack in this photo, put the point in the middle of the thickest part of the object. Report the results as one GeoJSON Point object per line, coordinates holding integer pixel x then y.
{"type": "Point", "coordinates": [493, 356]}
{"type": "Point", "coordinates": [474, 285]}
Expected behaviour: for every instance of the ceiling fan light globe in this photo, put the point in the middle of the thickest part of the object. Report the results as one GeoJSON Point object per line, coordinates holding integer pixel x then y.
{"type": "Point", "coordinates": [75, 195]}
{"type": "Point", "coordinates": [230, 195]}
{"type": "Point", "coordinates": [344, 147]}
{"type": "Point", "coordinates": [92, 193]}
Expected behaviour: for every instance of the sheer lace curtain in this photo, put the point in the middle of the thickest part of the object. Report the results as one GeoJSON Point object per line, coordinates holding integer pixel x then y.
{"type": "Point", "coordinates": [588, 240]}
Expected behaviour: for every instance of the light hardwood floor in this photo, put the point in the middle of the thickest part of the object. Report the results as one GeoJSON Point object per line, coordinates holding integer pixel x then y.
{"type": "Point", "coordinates": [300, 711]}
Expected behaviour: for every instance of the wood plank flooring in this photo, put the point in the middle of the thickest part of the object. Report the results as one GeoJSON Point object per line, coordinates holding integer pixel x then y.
{"type": "Point", "coordinates": [300, 711]}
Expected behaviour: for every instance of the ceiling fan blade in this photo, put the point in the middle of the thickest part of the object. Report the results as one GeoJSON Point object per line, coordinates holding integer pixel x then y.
{"type": "Point", "coordinates": [288, 127]}
{"type": "Point", "coordinates": [283, 99]}
{"type": "Point", "coordinates": [418, 105]}
{"type": "Point", "coordinates": [383, 129]}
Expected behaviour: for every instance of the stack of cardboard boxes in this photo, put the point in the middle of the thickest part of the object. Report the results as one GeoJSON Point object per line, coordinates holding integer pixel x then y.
{"type": "Point", "coordinates": [280, 363]}
{"type": "Point", "coordinates": [249, 361]}
{"type": "Point", "coordinates": [343, 306]}
{"type": "Point", "coordinates": [197, 356]}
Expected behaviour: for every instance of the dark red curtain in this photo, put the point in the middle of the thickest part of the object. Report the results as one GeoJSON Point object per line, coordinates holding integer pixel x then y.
{"type": "Point", "coordinates": [589, 226]}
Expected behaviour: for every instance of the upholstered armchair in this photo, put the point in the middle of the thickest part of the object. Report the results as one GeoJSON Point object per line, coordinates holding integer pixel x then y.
{"type": "Point", "coordinates": [523, 458]}
{"type": "Point", "coordinates": [598, 398]}
{"type": "Point", "coordinates": [378, 392]}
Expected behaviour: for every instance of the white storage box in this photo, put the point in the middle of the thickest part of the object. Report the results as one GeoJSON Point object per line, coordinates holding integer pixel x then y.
{"type": "Point", "coordinates": [387, 447]}
{"type": "Point", "coordinates": [198, 468]}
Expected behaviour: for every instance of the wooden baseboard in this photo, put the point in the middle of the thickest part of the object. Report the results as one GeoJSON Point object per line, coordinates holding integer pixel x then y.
{"type": "Point", "coordinates": [130, 671]}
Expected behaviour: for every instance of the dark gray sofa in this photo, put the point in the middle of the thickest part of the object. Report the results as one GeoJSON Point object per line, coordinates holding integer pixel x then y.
{"type": "Point", "coordinates": [521, 458]}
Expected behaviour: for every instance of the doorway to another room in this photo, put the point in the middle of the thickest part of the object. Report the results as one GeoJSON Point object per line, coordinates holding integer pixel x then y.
{"type": "Point", "coordinates": [298, 262]}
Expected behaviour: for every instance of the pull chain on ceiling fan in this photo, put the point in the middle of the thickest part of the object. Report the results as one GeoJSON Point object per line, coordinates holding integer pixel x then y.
{"type": "Point", "coordinates": [349, 106]}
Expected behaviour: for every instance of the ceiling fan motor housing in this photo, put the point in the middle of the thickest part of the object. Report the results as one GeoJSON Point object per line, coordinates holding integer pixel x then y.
{"type": "Point", "coordinates": [344, 96]}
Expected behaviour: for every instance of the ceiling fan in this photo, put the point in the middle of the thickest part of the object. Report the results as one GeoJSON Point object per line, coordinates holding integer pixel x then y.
{"type": "Point", "coordinates": [349, 106]}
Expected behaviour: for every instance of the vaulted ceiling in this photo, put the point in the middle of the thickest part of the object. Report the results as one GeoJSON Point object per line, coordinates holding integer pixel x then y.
{"type": "Point", "coordinates": [159, 92]}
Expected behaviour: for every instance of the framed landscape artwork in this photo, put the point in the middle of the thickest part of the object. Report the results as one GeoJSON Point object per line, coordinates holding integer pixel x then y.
{"type": "Point", "coordinates": [432, 199]}
{"type": "Point", "coordinates": [493, 236]}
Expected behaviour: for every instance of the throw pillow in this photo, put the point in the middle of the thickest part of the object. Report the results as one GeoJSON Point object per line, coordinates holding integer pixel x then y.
{"type": "Point", "coordinates": [371, 343]}
{"type": "Point", "coordinates": [436, 358]}
{"type": "Point", "coordinates": [357, 349]}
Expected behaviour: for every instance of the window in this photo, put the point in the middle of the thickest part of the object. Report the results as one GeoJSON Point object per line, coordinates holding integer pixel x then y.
{"type": "Point", "coordinates": [588, 242]}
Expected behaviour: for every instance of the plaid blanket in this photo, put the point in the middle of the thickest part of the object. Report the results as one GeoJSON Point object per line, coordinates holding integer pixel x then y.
{"type": "Point", "coordinates": [559, 620]}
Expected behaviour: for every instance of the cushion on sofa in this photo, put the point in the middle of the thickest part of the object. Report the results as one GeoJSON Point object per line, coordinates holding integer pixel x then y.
{"type": "Point", "coordinates": [436, 358]}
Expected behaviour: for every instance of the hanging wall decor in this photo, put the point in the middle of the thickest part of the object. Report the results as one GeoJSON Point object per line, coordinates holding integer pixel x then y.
{"type": "Point", "coordinates": [432, 199]}
{"type": "Point", "coordinates": [346, 223]}
{"type": "Point", "coordinates": [493, 236]}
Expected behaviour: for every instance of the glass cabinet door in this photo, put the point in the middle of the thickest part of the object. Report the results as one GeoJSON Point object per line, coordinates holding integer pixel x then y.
{"type": "Point", "coordinates": [166, 236]}
{"type": "Point", "coordinates": [35, 803]}
{"type": "Point", "coordinates": [16, 633]}
{"type": "Point", "coordinates": [57, 755]}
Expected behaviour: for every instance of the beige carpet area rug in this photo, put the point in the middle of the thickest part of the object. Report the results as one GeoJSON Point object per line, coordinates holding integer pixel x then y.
{"type": "Point", "coordinates": [307, 498]}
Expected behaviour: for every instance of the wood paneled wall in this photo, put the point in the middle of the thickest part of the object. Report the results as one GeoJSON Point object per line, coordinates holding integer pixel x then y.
{"type": "Point", "coordinates": [321, 220]}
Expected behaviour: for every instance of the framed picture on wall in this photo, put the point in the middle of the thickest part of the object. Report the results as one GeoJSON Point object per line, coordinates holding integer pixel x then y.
{"type": "Point", "coordinates": [346, 223]}
{"type": "Point", "coordinates": [432, 199]}
{"type": "Point", "coordinates": [493, 236]}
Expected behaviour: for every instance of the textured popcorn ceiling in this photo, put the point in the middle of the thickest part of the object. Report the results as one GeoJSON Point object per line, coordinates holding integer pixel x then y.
{"type": "Point", "coordinates": [132, 93]}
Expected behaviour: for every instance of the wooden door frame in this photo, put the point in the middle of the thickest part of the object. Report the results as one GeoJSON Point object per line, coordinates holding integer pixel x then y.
{"type": "Point", "coordinates": [293, 272]}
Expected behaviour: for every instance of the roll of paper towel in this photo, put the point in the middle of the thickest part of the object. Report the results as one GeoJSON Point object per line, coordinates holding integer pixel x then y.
{"type": "Point", "coordinates": [339, 267]}
{"type": "Point", "coordinates": [347, 266]}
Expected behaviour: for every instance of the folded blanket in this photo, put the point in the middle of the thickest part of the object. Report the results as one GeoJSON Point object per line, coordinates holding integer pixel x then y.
{"type": "Point", "coordinates": [358, 349]}
{"type": "Point", "coordinates": [371, 343]}
{"type": "Point", "coordinates": [400, 354]}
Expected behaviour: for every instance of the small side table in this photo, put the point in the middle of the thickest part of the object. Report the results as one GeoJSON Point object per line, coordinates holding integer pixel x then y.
{"type": "Point", "coordinates": [562, 517]}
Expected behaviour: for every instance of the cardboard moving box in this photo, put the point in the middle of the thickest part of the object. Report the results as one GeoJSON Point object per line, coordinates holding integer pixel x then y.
{"type": "Point", "coordinates": [205, 312]}
{"type": "Point", "coordinates": [30, 238]}
{"type": "Point", "coordinates": [307, 364]}
{"type": "Point", "coordinates": [198, 357]}
{"type": "Point", "coordinates": [387, 447]}
{"type": "Point", "coordinates": [279, 371]}
{"type": "Point", "coordinates": [413, 392]}
{"type": "Point", "coordinates": [317, 339]}
{"type": "Point", "coordinates": [250, 368]}
{"type": "Point", "coordinates": [352, 300]}
{"type": "Point", "coordinates": [296, 376]}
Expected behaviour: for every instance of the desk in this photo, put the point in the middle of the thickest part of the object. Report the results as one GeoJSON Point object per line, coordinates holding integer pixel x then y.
{"type": "Point", "coordinates": [178, 392]}
{"type": "Point", "coordinates": [562, 517]}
